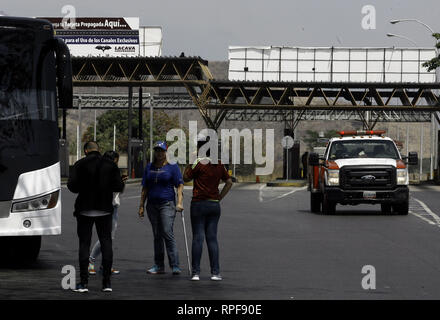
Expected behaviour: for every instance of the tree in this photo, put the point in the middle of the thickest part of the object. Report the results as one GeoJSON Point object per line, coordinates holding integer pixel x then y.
{"type": "Point", "coordinates": [104, 128]}
{"type": "Point", "coordinates": [434, 63]}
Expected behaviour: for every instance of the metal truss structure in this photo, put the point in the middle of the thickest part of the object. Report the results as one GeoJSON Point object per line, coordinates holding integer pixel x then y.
{"type": "Point", "coordinates": [360, 98]}
{"type": "Point", "coordinates": [249, 100]}
{"type": "Point", "coordinates": [189, 72]}
{"type": "Point", "coordinates": [119, 101]}
{"type": "Point", "coordinates": [184, 102]}
{"type": "Point", "coordinates": [327, 115]}
{"type": "Point", "coordinates": [139, 71]}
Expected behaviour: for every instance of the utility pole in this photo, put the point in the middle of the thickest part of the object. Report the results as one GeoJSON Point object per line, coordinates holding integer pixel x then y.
{"type": "Point", "coordinates": [433, 121]}
{"type": "Point", "coordinates": [130, 105]}
{"type": "Point", "coordinates": [151, 130]}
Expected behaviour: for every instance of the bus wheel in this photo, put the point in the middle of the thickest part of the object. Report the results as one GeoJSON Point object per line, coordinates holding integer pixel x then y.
{"type": "Point", "coordinates": [26, 249]}
{"type": "Point", "coordinates": [315, 202]}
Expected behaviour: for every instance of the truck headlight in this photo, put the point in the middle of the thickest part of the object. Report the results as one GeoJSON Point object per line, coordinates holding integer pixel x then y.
{"type": "Point", "coordinates": [402, 176]}
{"type": "Point", "coordinates": [333, 177]}
{"type": "Point", "coordinates": [48, 201]}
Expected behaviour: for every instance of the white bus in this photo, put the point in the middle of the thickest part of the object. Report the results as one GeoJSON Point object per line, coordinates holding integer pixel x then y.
{"type": "Point", "coordinates": [35, 77]}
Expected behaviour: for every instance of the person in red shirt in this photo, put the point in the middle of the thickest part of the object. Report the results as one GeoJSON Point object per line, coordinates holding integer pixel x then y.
{"type": "Point", "coordinates": [205, 209]}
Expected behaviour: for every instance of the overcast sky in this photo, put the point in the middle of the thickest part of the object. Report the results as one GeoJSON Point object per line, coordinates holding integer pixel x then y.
{"type": "Point", "coordinates": [207, 27]}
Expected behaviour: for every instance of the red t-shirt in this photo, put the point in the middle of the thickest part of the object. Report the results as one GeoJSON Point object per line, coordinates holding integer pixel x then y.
{"type": "Point", "coordinates": [207, 177]}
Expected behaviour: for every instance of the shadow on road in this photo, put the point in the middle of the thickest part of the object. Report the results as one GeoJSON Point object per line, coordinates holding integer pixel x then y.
{"type": "Point", "coordinates": [354, 213]}
{"type": "Point", "coordinates": [22, 265]}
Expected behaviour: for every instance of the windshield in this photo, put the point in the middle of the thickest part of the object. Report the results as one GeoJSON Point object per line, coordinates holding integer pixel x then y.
{"type": "Point", "coordinates": [363, 149]}
{"type": "Point", "coordinates": [25, 94]}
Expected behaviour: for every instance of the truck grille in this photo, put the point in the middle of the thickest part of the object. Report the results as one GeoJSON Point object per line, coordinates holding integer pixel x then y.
{"type": "Point", "coordinates": [367, 177]}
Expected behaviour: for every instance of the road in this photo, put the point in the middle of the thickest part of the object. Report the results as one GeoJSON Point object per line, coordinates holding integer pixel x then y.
{"type": "Point", "coordinates": [271, 247]}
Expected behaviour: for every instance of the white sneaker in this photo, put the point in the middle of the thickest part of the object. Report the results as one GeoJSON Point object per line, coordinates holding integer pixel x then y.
{"type": "Point", "coordinates": [195, 277]}
{"type": "Point", "coordinates": [216, 277]}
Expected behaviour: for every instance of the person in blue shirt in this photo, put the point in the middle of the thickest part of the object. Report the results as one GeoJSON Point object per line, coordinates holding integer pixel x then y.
{"type": "Point", "coordinates": [158, 184]}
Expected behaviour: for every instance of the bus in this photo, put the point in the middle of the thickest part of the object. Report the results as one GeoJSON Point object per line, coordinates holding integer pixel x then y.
{"type": "Point", "coordinates": [35, 79]}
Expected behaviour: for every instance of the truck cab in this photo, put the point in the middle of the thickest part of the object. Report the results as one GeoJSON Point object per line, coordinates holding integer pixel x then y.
{"type": "Point", "coordinates": [360, 167]}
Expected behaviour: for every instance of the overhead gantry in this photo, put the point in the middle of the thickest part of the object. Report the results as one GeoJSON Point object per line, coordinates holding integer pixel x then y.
{"type": "Point", "coordinates": [248, 100]}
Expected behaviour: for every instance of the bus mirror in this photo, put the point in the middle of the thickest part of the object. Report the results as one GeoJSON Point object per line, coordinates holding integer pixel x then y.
{"type": "Point", "coordinates": [64, 75]}
{"type": "Point", "coordinates": [413, 158]}
{"type": "Point", "coordinates": [313, 159]}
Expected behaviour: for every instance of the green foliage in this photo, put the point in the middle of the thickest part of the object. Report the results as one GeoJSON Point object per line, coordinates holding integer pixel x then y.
{"type": "Point", "coordinates": [312, 137]}
{"type": "Point", "coordinates": [436, 35]}
{"type": "Point", "coordinates": [434, 63]}
{"type": "Point", "coordinates": [104, 128]}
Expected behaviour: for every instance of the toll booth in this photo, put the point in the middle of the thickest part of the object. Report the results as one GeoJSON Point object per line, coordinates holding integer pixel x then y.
{"type": "Point", "coordinates": [291, 158]}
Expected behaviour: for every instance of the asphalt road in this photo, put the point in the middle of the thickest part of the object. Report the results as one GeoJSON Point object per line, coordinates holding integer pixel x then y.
{"type": "Point", "coordinates": [271, 247]}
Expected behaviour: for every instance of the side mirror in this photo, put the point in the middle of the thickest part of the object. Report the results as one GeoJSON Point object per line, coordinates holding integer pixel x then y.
{"type": "Point", "coordinates": [313, 159]}
{"type": "Point", "coordinates": [413, 158]}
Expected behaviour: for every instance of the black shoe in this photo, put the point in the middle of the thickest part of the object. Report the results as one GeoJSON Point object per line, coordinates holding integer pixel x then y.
{"type": "Point", "coordinates": [81, 288]}
{"type": "Point", "coordinates": [107, 286]}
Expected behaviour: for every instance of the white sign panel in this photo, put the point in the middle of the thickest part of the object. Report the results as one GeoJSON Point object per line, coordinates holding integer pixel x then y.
{"type": "Point", "coordinates": [330, 64]}
{"type": "Point", "coordinates": [150, 41]}
{"type": "Point", "coordinates": [99, 37]}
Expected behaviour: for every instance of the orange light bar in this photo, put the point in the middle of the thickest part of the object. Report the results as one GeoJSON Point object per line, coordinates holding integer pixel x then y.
{"type": "Point", "coordinates": [362, 132]}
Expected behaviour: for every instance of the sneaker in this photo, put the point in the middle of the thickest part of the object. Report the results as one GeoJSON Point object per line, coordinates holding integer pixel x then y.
{"type": "Point", "coordinates": [81, 287]}
{"type": "Point", "coordinates": [176, 271]}
{"type": "Point", "coordinates": [114, 271]}
{"type": "Point", "coordinates": [216, 277]}
{"type": "Point", "coordinates": [91, 269]}
{"type": "Point", "coordinates": [156, 270]}
{"type": "Point", "coordinates": [106, 286]}
{"type": "Point", "coordinates": [195, 277]}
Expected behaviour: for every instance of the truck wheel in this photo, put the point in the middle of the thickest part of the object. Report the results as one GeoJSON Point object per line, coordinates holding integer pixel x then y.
{"type": "Point", "coordinates": [385, 208]}
{"type": "Point", "coordinates": [401, 209]}
{"type": "Point", "coordinates": [328, 207]}
{"type": "Point", "coordinates": [315, 202]}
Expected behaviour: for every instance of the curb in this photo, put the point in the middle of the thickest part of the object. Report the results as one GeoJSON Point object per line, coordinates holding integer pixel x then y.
{"type": "Point", "coordinates": [287, 184]}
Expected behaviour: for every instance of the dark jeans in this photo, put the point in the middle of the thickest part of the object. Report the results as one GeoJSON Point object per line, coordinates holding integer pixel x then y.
{"type": "Point", "coordinates": [104, 230]}
{"type": "Point", "coordinates": [162, 221]}
{"type": "Point", "coordinates": [204, 221]}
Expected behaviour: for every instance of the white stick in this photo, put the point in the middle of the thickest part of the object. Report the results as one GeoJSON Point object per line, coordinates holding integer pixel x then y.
{"type": "Point", "coordinates": [77, 143]}
{"type": "Point", "coordinates": [114, 137]}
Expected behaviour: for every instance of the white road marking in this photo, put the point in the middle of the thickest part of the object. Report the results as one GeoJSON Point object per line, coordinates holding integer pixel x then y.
{"type": "Point", "coordinates": [426, 208]}
{"type": "Point", "coordinates": [260, 193]}
{"type": "Point", "coordinates": [286, 194]}
{"type": "Point", "coordinates": [132, 197]}
{"type": "Point", "coordinates": [423, 218]}
{"type": "Point", "coordinates": [423, 212]}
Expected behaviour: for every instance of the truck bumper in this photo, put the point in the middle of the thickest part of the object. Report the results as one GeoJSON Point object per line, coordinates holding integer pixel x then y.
{"type": "Point", "coordinates": [397, 195]}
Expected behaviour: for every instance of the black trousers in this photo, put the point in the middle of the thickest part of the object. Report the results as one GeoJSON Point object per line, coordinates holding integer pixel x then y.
{"type": "Point", "coordinates": [104, 230]}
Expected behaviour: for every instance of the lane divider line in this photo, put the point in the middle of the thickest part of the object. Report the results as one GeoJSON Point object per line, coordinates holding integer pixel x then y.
{"type": "Point", "coordinates": [426, 208]}
{"type": "Point", "coordinates": [286, 194]}
{"type": "Point", "coordinates": [260, 193]}
{"type": "Point", "coordinates": [423, 218]}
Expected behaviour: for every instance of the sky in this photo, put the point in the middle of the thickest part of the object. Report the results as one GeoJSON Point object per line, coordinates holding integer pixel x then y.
{"type": "Point", "coordinates": [207, 27]}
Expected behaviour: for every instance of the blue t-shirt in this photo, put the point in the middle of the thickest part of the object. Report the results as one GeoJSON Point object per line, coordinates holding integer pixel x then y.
{"type": "Point", "coordinates": [161, 182]}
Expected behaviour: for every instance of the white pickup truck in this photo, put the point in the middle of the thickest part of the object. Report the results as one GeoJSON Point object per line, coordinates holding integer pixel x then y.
{"type": "Point", "coordinates": [360, 167]}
